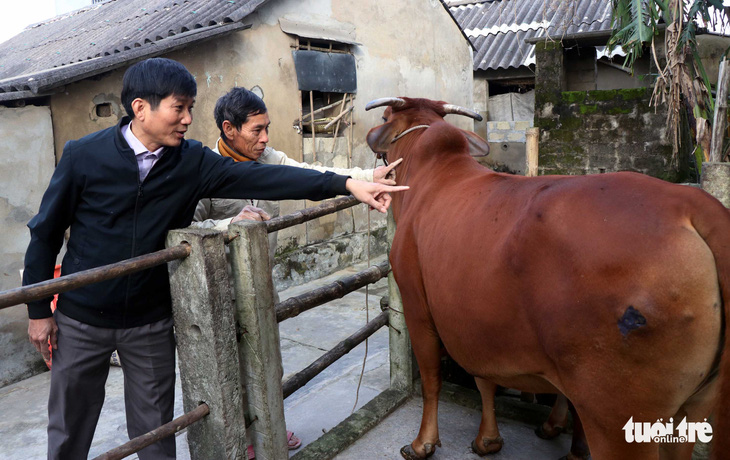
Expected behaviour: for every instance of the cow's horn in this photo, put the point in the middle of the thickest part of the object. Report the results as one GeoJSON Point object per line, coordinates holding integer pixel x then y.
{"type": "Point", "coordinates": [391, 101]}
{"type": "Point", "coordinates": [451, 108]}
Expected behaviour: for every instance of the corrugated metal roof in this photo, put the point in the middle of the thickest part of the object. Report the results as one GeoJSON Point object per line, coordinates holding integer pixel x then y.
{"type": "Point", "coordinates": [110, 31]}
{"type": "Point", "coordinates": [498, 28]}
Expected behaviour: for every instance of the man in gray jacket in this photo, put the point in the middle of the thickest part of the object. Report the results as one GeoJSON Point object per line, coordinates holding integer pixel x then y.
{"type": "Point", "coordinates": [243, 121]}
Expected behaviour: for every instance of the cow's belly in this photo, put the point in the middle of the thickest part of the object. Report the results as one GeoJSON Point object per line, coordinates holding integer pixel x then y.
{"type": "Point", "coordinates": [500, 347]}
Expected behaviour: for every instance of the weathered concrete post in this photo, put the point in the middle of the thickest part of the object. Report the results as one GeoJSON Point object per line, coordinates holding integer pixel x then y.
{"type": "Point", "coordinates": [401, 355]}
{"type": "Point", "coordinates": [206, 345]}
{"type": "Point", "coordinates": [259, 347]}
{"type": "Point", "coordinates": [716, 181]}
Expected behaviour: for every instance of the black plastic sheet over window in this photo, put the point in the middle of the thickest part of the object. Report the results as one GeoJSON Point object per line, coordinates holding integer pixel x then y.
{"type": "Point", "coordinates": [325, 72]}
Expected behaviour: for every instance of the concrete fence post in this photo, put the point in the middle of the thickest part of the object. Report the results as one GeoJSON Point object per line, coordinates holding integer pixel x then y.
{"type": "Point", "coordinates": [259, 347]}
{"type": "Point", "coordinates": [716, 181]}
{"type": "Point", "coordinates": [401, 355]}
{"type": "Point", "coordinates": [206, 344]}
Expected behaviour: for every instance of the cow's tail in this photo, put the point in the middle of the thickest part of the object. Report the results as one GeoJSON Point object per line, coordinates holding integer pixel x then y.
{"type": "Point", "coordinates": [712, 221]}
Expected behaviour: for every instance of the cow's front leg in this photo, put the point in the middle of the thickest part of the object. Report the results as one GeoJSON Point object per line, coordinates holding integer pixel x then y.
{"type": "Point", "coordinates": [488, 439]}
{"type": "Point", "coordinates": [427, 348]}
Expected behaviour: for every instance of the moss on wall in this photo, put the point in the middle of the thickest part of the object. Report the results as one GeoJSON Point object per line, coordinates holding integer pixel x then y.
{"type": "Point", "coordinates": [586, 132]}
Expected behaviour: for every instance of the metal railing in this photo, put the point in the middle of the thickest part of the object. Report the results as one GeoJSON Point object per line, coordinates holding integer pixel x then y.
{"type": "Point", "coordinates": [223, 347]}
{"type": "Point", "coordinates": [66, 283]}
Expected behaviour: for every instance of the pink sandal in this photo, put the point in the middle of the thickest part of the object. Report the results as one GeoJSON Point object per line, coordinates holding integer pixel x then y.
{"type": "Point", "coordinates": [292, 442]}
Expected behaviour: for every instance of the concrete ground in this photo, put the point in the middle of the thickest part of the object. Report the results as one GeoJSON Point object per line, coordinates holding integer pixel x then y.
{"type": "Point", "coordinates": [314, 409]}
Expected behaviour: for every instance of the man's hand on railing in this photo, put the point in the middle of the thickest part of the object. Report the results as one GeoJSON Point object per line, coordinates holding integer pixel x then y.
{"type": "Point", "coordinates": [252, 213]}
{"type": "Point", "coordinates": [370, 193]}
{"type": "Point", "coordinates": [39, 331]}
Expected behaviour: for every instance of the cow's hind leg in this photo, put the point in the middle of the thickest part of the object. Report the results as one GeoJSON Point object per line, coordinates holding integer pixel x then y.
{"type": "Point", "coordinates": [427, 348]}
{"type": "Point", "coordinates": [488, 439]}
{"type": "Point", "coordinates": [557, 421]}
{"type": "Point", "coordinates": [696, 409]}
{"type": "Point", "coordinates": [578, 445]}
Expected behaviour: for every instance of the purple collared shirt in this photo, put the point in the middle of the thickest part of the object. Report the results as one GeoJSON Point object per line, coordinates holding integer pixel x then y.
{"type": "Point", "coordinates": [145, 159]}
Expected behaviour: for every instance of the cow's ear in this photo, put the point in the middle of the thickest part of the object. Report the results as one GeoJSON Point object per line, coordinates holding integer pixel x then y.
{"type": "Point", "coordinates": [379, 138]}
{"type": "Point", "coordinates": [478, 147]}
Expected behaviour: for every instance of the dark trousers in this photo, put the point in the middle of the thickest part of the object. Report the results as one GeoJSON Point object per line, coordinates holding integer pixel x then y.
{"type": "Point", "coordinates": [78, 375]}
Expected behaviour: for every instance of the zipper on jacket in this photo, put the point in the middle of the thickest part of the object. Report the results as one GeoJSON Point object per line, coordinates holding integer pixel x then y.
{"type": "Point", "coordinates": [140, 194]}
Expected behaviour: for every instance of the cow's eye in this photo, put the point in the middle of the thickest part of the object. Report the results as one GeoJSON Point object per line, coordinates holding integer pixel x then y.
{"type": "Point", "coordinates": [385, 119]}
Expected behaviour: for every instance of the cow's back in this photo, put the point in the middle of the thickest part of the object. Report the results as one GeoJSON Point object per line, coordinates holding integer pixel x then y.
{"type": "Point", "coordinates": [530, 267]}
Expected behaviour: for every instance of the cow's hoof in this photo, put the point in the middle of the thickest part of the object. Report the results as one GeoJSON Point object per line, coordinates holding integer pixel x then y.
{"type": "Point", "coordinates": [491, 445]}
{"type": "Point", "coordinates": [409, 454]}
{"type": "Point", "coordinates": [551, 432]}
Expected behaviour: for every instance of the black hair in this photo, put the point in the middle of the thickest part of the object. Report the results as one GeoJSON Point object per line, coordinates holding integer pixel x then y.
{"type": "Point", "coordinates": [236, 106]}
{"type": "Point", "coordinates": [155, 79]}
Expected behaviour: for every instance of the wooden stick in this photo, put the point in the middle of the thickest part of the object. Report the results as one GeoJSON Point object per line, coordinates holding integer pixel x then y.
{"type": "Point", "coordinates": [343, 286]}
{"type": "Point", "coordinates": [321, 109]}
{"type": "Point", "coordinates": [720, 120]}
{"type": "Point", "coordinates": [337, 128]}
{"type": "Point", "coordinates": [337, 118]}
{"type": "Point", "coordinates": [349, 144]}
{"type": "Point", "coordinates": [66, 283]}
{"type": "Point", "coordinates": [314, 128]}
{"type": "Point", "coordinates": [305, 215]}
{"type": "Point", "coordinates": [168, 429]}
{"type": "Point", "coordinates": [532, 135]}
{"type": "Point", "coordinates": [341, 349]}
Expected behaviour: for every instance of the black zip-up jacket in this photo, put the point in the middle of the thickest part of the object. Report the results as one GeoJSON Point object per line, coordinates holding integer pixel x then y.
{"type": "Point", "coordinates": [96, 190]}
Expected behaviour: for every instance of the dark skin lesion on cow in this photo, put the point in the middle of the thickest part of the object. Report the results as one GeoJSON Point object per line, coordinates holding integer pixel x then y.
{"type": "Point", "coordinates": [632, 319]}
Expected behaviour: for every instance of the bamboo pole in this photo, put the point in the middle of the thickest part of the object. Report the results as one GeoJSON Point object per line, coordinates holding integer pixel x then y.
{"type": "Point", "coordinates": [337, 119]}
{"type": "Point", "coordinates": [336, 290]}
{"type": "Point", "coordinates": [337, 128]}
{"type": "Point", "coordinates": [168, 429]}
{"type": "Point", "coordinates": [720, 120]}
{"type": "Point", "coordinates": [321, 109]}
{"type": "Point", "coordinates": [531, 145]}
{"type": "Point", "coordinates": [341, 349]}
{"type": "Point", "coordinates": [66, 283]}
{"type": "Point", "coordinates": [314, 128]}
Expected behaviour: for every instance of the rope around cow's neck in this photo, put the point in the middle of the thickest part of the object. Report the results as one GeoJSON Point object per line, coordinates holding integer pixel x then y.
{"type": "Point", "coordinates": [412, 128]}
{"type": "Point", "coordinates": [383, 156]}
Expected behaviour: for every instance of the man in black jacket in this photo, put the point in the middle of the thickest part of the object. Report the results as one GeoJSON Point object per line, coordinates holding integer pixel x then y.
{"type": "Point", "coordinates": [120, 190]}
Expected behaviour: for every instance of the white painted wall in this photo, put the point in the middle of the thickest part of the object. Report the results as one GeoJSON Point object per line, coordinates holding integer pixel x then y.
{"type": "Point", "coordinates": [27, 161]}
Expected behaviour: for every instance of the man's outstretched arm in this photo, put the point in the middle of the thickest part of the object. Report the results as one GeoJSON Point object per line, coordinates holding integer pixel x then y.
{"type": "Point", "coordinates": [377, 196]}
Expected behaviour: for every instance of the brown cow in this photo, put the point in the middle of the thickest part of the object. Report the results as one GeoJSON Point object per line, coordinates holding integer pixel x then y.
{"type": "Point", "coordinates": [607, 288]}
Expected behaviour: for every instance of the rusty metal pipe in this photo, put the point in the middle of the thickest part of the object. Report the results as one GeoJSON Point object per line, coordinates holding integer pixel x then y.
{"type": "Point", "coordinates": [66, 283]}
{"type": "Point", "coordinates": [168, 429]}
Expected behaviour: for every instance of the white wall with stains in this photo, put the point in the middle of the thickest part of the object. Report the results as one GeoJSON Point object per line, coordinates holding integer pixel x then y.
{"type": "Point", "coordinates": [26, 153]}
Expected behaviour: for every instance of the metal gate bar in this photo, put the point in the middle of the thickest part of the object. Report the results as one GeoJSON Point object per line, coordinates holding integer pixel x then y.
{"type": "Point", "coordinates": [300, 379]}
{"type": "Point", "coordinates": [296, 305]}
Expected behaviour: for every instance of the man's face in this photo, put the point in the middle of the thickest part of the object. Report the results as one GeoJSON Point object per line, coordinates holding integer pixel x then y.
{"type": "Point", "coordinates": [165, 125]}
{"type": "Point", "coordinates": [250, 141]}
